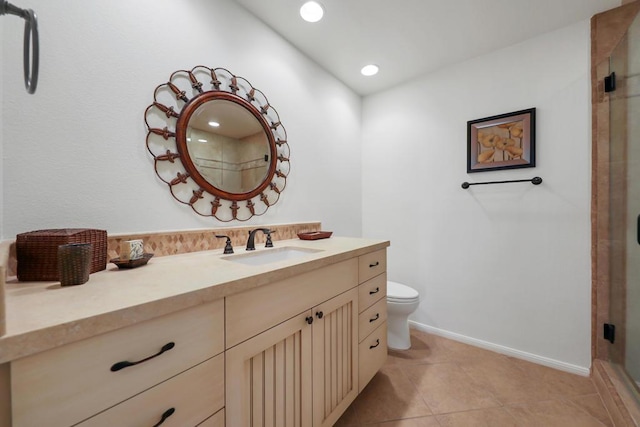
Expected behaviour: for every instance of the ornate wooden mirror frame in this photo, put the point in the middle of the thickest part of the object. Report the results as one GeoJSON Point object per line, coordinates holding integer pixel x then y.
{"type": "Point", "coordinates": [170, 120]}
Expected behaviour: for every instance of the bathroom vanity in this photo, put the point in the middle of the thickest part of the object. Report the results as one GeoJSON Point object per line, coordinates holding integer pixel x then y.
{"type": "Point", "coordinates": [290, 334]}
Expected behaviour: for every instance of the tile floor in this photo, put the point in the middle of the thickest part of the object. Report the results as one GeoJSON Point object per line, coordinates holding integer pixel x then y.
{"type": "Point", "coordinates": [444, 383]}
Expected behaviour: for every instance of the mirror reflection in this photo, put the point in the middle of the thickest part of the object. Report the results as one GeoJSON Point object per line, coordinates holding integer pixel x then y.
{"type": "Point", "coordinates": [228, 146]}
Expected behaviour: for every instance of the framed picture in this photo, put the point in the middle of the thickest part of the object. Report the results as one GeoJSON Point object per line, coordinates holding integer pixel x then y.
{"type": "Point", "coordinates": [507, 141]}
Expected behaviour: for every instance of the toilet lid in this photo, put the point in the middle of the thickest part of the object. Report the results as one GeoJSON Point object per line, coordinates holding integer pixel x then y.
{"type": "Point", "coordinates": [398, 291]}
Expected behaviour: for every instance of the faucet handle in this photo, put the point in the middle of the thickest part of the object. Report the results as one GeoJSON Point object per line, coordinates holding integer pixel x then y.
{"type": "Point", "coordinates": [228, 249]}
{"type": "Point", "coordinates": [269, 243]}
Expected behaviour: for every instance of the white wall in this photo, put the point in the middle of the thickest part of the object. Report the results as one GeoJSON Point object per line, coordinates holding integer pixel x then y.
{"type": "Point", "coordinates": [75, 154]}
{"type": "Point", "coordinates": [506, 266]}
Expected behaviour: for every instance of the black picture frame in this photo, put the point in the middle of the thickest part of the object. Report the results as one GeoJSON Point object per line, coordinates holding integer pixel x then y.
{"type": "Point", "coordinates": [505, 141]}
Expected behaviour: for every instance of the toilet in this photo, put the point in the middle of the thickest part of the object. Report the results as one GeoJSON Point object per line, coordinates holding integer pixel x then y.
{"type": "Point", "coordinates": [401, 302]}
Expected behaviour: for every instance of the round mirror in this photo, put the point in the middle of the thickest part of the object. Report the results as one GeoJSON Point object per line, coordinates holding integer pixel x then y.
{"type": "Point", "coordinates": [230, 143]}
{"type": "Point", "coordinates": [225, 146]}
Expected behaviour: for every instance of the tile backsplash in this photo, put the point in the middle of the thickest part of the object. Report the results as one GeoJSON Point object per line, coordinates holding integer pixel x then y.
{"type": "Point", "coordinates": [179, 242]}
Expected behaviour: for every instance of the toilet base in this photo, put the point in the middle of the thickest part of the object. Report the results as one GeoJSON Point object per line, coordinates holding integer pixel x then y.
{"type": "Point", "coordinates": [401, 302]}
{"type": "Point", "coordinates": [398, 337]}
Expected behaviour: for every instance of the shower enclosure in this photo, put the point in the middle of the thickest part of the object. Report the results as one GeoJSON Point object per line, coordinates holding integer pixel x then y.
{"type": "Point", "coordinates": [623, 88]}
{"type": "Point", "coordinates": [615, 94]}
{"type": "Point", "coordinates": [615, 78]}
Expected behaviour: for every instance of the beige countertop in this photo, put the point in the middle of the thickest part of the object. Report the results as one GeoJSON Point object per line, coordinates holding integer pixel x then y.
{"type": "Point", "coordinates": [45, 315]}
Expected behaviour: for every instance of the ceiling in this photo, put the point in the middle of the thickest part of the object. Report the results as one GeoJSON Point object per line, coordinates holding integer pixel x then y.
{"type": "Point", "coordinates": [235, 120]}
{"type": "Point", "coordinates": [408, 38]}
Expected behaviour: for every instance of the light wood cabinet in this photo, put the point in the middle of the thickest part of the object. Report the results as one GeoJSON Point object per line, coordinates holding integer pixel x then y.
{"type": "Point", "coordinates": [307, 369]}
{"type": "Point", "coordinates": [372, 321]}
{"type": "Point", "coordinates": [371, 318]}
{"type": "Point", "coordinates": [302, 372]}
{"type": "Point", "coordinates": [69, 384]}
{"type": "Point", "coordinates": [372, 355]}
{"type": "Point", "coordinates": [371, 291]}
{"type": "Point", "coordinates": [249, 313]}
{"type": "Point", "coordinates": [269, 377]}
{"type": "Point", "coordinates": [335, 357]}
{"type": "Point", "coordinates": [184, 400]}
{"type": "Point", "coordinates": [371, 265]}
{"type": "Point", "coordinates": [292, 352]}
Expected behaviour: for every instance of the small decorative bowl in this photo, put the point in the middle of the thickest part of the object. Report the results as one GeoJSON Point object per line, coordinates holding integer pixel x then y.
{"type": "Point", "coordinates": [132, 263]}
{"type": "Point", "coordinates": [315, 235]}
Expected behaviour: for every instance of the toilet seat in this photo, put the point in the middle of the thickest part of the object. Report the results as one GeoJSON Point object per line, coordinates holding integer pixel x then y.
{"type": "Point", "coordinates": [402, 300]}
{"type": "Point", "coordinates": [401, 294]}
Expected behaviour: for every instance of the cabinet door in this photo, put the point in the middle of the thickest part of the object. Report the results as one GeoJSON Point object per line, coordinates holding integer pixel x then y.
{"type": "Point", "coordinates": [335, 357]}
{"type": "Point", "coordinates": [372, 355]}
{"type": "Point", "coordinates": [268, 377]}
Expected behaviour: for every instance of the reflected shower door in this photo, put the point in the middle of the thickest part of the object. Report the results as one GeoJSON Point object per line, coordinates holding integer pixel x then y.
{"type": "Point", "coordinates": [625, 205]}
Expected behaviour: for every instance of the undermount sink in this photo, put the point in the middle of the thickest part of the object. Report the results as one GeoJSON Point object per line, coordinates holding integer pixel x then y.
{"type": "Point", "coordinates": [268, 256]}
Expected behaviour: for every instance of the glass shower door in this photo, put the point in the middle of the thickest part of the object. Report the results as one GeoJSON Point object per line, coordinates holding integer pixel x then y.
{"type": "Point", "coordinates": [625, 206]}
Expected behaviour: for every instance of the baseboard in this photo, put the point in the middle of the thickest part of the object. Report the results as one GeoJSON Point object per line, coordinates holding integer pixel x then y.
{"type": "Point", "coordinates": [618, 397]}
{"type": "Point", "coordinates": [534, 358]}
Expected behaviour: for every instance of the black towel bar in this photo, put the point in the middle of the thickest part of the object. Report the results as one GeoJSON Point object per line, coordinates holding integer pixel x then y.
{"type": "Point", "coordinates": [535, 181]}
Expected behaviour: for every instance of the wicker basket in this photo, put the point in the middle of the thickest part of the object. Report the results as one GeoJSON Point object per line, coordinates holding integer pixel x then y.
{"type": "Point", "coordinates": [74, 263]}
{"type": "Point", "coordinates": [37, 251]}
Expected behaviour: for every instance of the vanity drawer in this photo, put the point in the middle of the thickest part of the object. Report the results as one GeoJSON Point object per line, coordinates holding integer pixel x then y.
{"type": "Point", "coordinates": [371, 318]}
{"type": "Point", "coordinates": [372, 354]}
{"type": "Point", "coordinates": [254, 311]}
{"type": "Point", "coordinates": [372, 264]}
{"type": "Point", "coordinates": [216, 420]}
{"type": "Point", "coordinates": [193, 395]}
{"type": "Point", "coordinates": [66, 385]}
{"type": "Point", "coordinates": [371, 291]}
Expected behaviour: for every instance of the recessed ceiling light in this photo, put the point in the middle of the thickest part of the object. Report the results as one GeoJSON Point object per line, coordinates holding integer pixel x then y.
{"type": "Point", "coordinates": [370, 70]}
{"type": "Point", "coordinates": [202, 140]}
{"type": "Point", "coordinates": [311, 11]}
{"type": "Point", "coordinates": [214, 124]}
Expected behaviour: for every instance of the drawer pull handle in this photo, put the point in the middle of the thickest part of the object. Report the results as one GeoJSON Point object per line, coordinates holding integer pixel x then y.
{"type": "Point", "coordinates": [319, 314]}
{"type": "Point", "coordinates": [374, 292]}
{"type": "Point", "coordinates": [375, 264]}
{"type": "Point", "coordinates": [126, 364]}
{"type": "Point", "coordinates": [166, 415]}
{"type": "Point", "coordinates": [375, 318]}
{"type": "Point", "coordinates": [375, 345]}
{"type": "Point", "coordinates": [309, 319]}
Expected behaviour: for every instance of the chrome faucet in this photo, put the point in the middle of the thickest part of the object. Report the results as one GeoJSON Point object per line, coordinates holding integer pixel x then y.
{"type": "Point", "coordinates": [251, 246]}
